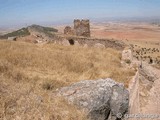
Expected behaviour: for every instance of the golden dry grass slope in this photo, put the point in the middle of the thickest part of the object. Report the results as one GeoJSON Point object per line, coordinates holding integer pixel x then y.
{"type": "Point", "coordinates": [30, 74]}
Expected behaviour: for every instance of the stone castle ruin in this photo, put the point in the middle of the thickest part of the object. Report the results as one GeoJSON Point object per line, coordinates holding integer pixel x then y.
{"type": "Point", "coordinates": [68, 31]}
{"type": "Point", "coordinates": [80, 35]}
{"type": "Point", "coordinates": [81, 28]}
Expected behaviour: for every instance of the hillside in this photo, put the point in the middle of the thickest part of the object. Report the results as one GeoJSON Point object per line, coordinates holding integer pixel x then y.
{"type": "Point", "coordinates": [26, 31]}
{"type": "Point", "coordinates": [30, 74]}
{"type": "Point", "coordinates": [42, 29]}
{"type": "Point", "coordinates": [20, 32]}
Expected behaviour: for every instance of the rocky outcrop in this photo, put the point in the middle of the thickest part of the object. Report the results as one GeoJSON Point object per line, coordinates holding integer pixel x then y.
{"type": "Point", "coordinates": [102, 99]}
{"type": "Point", "coordinates": [12, 38]}
{"type": "Point", "coordinates": [43, 34]}
{"type": "Point", "coordinates": [127, 54]}
{"type": "Point", "coordinates": [99, 45]}
{"type": "Point", "coordinates": [127, 60]}
{"type": "Point", "coordinates": [146, 73]}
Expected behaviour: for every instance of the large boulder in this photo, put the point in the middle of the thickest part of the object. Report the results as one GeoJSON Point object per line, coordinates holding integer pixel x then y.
{"type": "Point", "coordinates": [99, 45]}
{"type": "Point", "coordinates": [102, 99]}
{"type": "Point", "coordinates": [127, 54]}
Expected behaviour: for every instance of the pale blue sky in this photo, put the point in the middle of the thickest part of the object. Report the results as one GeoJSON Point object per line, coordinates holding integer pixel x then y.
{"type": "Point", "coordinates": [14, 12]}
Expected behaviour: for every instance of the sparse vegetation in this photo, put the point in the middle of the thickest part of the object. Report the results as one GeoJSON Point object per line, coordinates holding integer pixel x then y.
{"type": "Point", "coordinates": [45, 30]}
{"type": "Point", "coordinates": [21, 32]}
{"type": "Point", "coordinates": [147, 52]}
{"type": "Point", "coordinates": [24, 31]}
{"type": "Point", "coordinates": [29, 75]}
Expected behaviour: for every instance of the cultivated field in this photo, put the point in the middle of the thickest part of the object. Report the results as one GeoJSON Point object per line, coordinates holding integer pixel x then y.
{"type": "Point", "coordinates": [127, 31]}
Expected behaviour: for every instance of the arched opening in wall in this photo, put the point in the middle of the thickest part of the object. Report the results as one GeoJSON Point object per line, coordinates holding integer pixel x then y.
{"type": "Point", "coordinates": [71, 42]}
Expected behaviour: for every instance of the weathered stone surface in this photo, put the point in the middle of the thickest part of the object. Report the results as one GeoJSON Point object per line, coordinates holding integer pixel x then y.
{"type": "Point", "coordinates": [65, 42]}
{"type": "Point", "coordinates": [82, 28]}
{"type": "Point", "coordinates": [147, 73]}
{"type": "Point", "coordinates": [12, 38]}
{"type": "Point", "coordinates": [127, 54]}
{"type": "Point", "coordinates": [68, 30]}
{"type": "Point", "coordinates": [100, 98]}
{"type": "Point", "coordinates": [85, 46]}
{"type": "Point", "coordinates": [99, 45]}
{"type": "Point", "coordinates": [119, 100]}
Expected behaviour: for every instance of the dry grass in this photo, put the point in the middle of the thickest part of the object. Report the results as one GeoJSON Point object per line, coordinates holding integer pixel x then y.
{"type": "Point", "coordinates": [29, 75]}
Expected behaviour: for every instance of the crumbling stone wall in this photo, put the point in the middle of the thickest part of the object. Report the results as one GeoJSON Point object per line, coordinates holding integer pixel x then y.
{"type": "Point", "coordinates": [82, 27]}
{"type": "Point", "coordinates": [68, 30]}
{"type": "Point", "coordinates": [134, 105]}
{"type": "Point", "coordinates": [91, 42]}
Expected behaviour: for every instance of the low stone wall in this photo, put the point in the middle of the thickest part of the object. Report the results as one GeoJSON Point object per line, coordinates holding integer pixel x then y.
{"type": "Point", "coordinates": [90, 42]}
{"type": "Point", "coordinates": [134, 104]}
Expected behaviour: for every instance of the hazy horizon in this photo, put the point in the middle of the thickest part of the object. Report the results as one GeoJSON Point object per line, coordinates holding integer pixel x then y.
{"type": "Point", "coordinates": [26, 12]}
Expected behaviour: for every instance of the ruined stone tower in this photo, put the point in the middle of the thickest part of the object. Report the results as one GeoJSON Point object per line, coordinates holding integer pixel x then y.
{"type": "Point", "coordinates": [68, 30]}
{"type": "Point", "coordinates": [82, 27]}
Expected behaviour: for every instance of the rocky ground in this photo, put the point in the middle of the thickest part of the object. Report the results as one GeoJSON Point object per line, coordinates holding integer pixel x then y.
{"type": "Point", "coordinates": [152, 98]}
